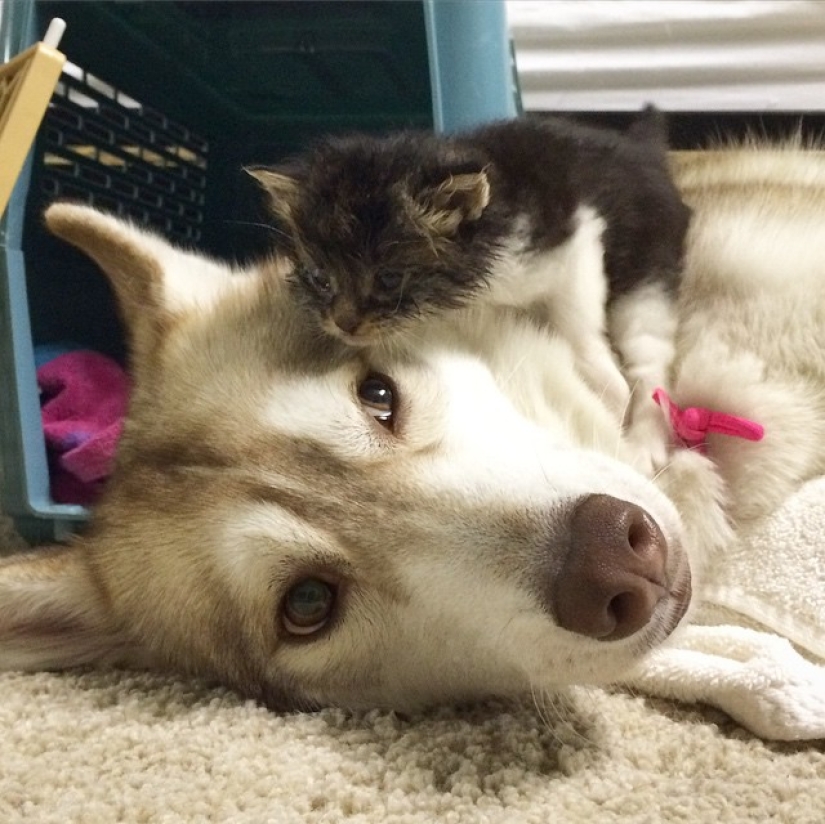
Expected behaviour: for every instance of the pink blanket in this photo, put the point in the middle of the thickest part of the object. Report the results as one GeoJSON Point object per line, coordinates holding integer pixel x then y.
{"type": "Point", "coordinates": [84, 396]}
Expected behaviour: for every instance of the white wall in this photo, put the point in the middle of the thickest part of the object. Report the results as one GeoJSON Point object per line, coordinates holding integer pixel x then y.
{"type": "Point", "coordinates": [683, 55]}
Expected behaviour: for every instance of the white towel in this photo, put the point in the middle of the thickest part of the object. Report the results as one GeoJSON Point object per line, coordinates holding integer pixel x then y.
{"type": "Point", "coordinates": [764, 592]}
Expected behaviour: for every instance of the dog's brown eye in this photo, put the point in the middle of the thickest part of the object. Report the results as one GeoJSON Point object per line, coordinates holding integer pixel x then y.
{"type": "Point", "coordinates": [378, 399]}
{"type": "Point", "coordinates": [308, 606]}
{"type": "Point", "coordinates": [318, 280]}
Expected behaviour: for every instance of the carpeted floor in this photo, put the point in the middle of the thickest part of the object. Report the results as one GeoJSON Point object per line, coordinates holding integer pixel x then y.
{"type": "Point", "coordinates": [118, 747]}
{"type": "Point", "coordinates": [124, 748]}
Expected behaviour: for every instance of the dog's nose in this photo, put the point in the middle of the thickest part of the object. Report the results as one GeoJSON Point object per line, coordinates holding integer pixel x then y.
{"type": "Point", "coordinates": [614, 572]}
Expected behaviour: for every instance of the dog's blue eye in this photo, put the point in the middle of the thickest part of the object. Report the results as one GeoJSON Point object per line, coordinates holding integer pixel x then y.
{"type": "Point", "coordinates": [308, 606]}
{"type": "Point", "coordinates": [378, 399]}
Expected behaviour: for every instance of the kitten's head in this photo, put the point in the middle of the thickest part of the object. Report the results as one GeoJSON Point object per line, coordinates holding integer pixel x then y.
{"type": "Point", "coordinates": [385, 229]}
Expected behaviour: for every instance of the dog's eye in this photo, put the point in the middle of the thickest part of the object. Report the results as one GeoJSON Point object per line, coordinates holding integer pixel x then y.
{"type": "Point", "coordinates": [318, 280]}
{"type": "Point", "coordinates": [378, 398]}
{"type": "Point", "coordinates": [308, 606]}
{"type": "Point", "coordinates": [390, 281]}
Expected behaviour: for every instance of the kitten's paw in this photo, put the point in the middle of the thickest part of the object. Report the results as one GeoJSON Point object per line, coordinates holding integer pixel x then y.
{"type": "Point", "coordinates": [616, 394]}
{"type": "Point", "coordinates": [647, 439]}
{"type": "Point", "coordinates": [605, 379]}
{"type": "Point", "coordinates": [647, 457]}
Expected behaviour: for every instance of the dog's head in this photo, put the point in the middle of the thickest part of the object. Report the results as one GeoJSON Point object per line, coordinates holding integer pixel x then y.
{"type": "Point", "coordinates": [313, 524]}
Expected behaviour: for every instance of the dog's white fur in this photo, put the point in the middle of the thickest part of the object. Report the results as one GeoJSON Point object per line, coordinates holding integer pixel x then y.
{"type": "Point", "coordinates": [566, 287]}
{"type": "Point", "coordinates": [248, 461]}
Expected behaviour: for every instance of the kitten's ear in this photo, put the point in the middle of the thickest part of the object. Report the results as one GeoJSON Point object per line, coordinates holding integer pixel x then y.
{"type": "Point", "coordinates": [649, 126]}
{"type": "Point", "coordinates": [281, 187]}
{"type": "Point", "coordinates": [439, 211]}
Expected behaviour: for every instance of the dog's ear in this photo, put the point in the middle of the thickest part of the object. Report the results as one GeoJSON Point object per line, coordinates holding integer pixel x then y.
{"type": "Point", "coordinates": [439, 211]}
{"type": "Point", "coordinates": [52, 613]}
{"type": "Point", "coordinates": [281, 186]}
{"type": "Point", "coordinates": [154, 282]}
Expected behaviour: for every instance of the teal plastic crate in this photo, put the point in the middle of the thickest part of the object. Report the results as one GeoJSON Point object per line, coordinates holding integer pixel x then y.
{"type": "Point", "coordinates": [161, 105]}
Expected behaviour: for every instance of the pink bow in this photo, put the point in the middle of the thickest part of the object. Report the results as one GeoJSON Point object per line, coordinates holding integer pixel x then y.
{"type": "Point", "coordinates": [693, 424]}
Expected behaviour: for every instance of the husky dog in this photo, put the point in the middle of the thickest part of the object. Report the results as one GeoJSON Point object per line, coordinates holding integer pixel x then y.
{"type": "Point", "coordinates": [582, 227]}
{"type": "Point", "coordinates": [313, 523]}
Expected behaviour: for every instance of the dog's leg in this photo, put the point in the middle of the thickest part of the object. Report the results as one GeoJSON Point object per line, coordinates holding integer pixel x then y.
{"type": "Point", "coordinates": [643, 330]}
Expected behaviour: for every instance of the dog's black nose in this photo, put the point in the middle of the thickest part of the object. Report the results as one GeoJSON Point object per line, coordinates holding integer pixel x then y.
{"type": "Point", "coordinates": [614, 572]}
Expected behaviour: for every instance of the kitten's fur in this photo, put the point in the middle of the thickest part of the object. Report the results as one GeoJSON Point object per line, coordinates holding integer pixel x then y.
{"type": "Point", "coordinates": [577, 224]}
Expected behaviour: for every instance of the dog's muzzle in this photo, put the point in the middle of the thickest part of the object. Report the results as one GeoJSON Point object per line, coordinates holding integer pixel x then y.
{"type": "Point", "coordinates": [615, 572]}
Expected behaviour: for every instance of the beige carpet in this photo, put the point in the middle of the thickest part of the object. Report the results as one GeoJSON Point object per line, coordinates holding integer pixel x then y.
{"type": "Point", "coordinates": [115, 747]}
{"type": "Point", "coordinates": [118, 748]}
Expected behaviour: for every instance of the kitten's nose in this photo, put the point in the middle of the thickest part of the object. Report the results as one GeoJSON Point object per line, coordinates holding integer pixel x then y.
{"type": "Point", "coordinates": [346, 317]}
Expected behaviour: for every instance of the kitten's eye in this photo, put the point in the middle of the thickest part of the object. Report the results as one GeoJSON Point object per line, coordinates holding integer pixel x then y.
{"type": "Point", "coordinates": [377, 396]}
{"type": "Point", "coordinates": [308, 606]}
{"type": "Point", "coordinates": [318, 280]}
{"type": "Point", "coordinates": [390, 281]}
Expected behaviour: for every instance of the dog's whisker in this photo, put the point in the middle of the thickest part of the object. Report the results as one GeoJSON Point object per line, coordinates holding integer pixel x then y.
{"type": "Point", "coordinates": [557, 716]}
{"type": "Point", "coordinates": [550, 724]}
{"type": "Point", "coordinates": [539, 698]}
{"type": "Point", "coordinates": [661, 471]}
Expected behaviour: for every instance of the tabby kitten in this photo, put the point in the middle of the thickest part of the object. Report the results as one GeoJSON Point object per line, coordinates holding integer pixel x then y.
{"type": "Point", "coordinates": [581, 226]}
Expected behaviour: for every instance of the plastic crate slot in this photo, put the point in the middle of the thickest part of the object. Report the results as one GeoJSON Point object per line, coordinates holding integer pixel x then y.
{"type": "Point", "coordinates": [148, 199]}
{"type": "Point", "coordinates": [193, 215]}
{"type": "Point", "coordinates": [157, 119]}
{"type": "Point", "coordinates": [93, 176]}
{"type": "Point", "coordinates": [165, 184]}
{"type": "Point", "coordinates": [100, 133]}
{"type": "Point", "coordinates": [109, 159]}
{"type": "Point", "coordinates": [115, 117]}
{"type": "Point", "coordinates": [124, 188]}
{"type": "Point", "coordinates": [84, 101]}
{"type": "Point", "coordinates": [52, 159]}
{"type": "Point", "coordinates": [141, 130]}
{"type": "Point", "coordinates": [73, 70]}
{"type": "Point", "coordinates": [82, 149]}
{"type": "Point", "coordinates": [52, 136]}
{"type": "Point", "coordinates": [109, 204]}
{"type": "Point", "coordinates": [67, 189]}
{"type": "Point", "coordinates": [100, 86]}
{"type": "Point", "coordinates": [50, 187]}
{"type": "Point", "coordinates": [61, 116]}
{"type": "Point", "coordinates": [128, 102]}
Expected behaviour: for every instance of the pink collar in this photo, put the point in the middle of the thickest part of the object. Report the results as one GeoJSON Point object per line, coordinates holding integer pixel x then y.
{"type": "Point", "coordinates": [693, 424]}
